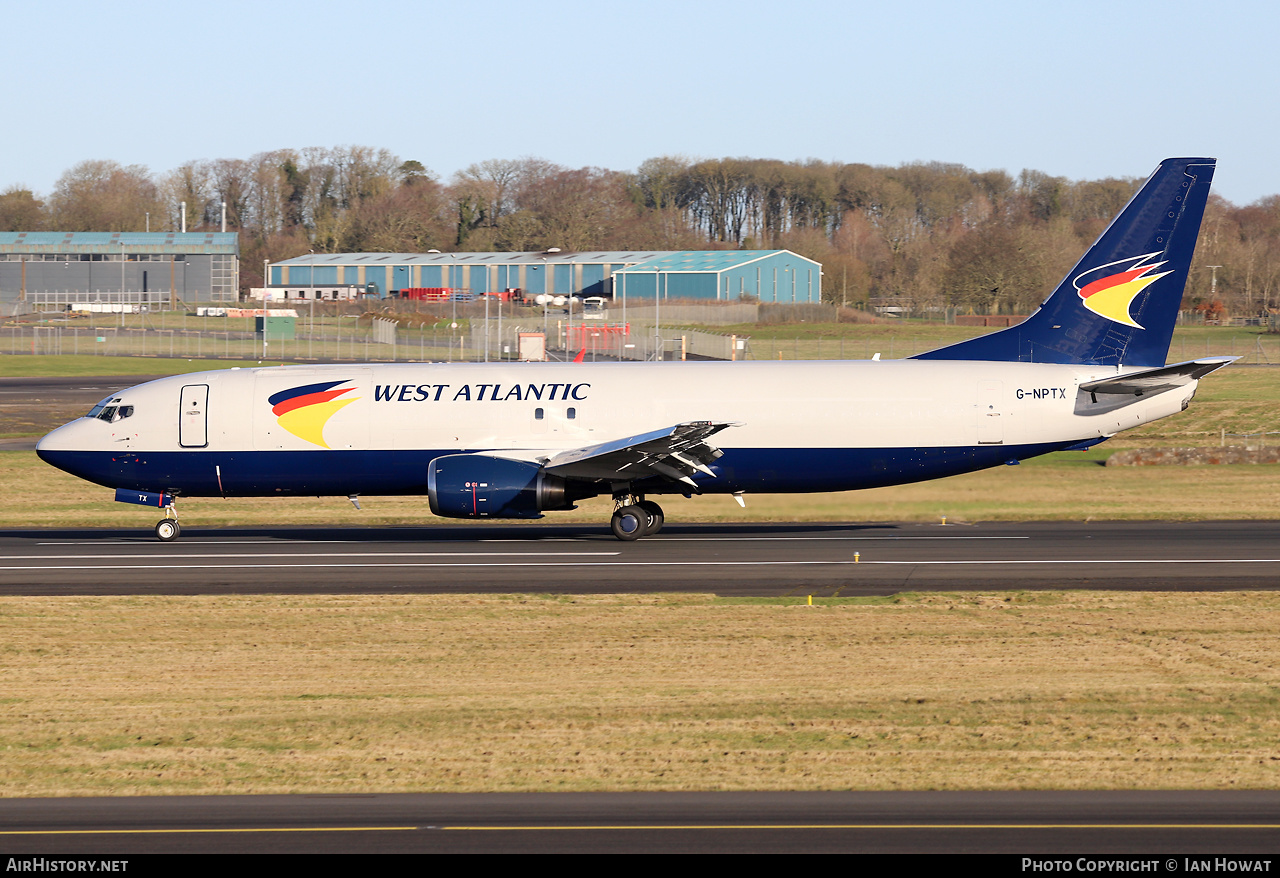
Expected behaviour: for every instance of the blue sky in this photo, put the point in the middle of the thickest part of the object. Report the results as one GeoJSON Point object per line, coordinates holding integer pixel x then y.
{"type": "Point", "coordinates": [1083, 89]}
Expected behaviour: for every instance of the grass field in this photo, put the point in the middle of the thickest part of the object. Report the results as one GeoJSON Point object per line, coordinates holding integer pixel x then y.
{"type": "Point", "coordinates": [393, 693]}
{"type": "Point", "coordinates": [1068, 485]}
{"type": "Point", "coordinates": [818, 341]}
{"type": "Point", "coordinates": [86, 365]}
{"type": "Point", "coordinates": [169, 335]}
{"type": "Point", "coordinates": [345, 694]}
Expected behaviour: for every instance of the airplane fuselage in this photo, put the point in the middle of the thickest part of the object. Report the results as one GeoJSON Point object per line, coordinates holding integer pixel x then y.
{"type": "Point", "coordinates": [373, 429]}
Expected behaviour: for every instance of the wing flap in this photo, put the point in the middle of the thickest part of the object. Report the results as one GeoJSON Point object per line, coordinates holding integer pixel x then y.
{"type": "Point", "coordinates": [674, 453]}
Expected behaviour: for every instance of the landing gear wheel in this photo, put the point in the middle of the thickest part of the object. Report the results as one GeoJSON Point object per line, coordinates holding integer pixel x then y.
{"type": "Point", "coordinates": [654, 512]}
{"type": "Point", "coordinates": [167, 530]}
{"type": "Point", "coordinates": [629, 523]}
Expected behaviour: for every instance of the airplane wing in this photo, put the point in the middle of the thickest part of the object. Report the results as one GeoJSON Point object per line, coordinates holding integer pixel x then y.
{"type": "Point", "coordinates": [674, 453]}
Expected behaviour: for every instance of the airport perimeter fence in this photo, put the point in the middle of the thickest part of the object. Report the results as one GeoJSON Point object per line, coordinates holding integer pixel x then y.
{"type": "Point", "coordinates": [472, 341]}
{"type": "Point", "coordinates": [375, 340]}
{"type": "Point", "coordinates": [1270, 437]}
{"type": "Point", "coordinates": [355, 335]}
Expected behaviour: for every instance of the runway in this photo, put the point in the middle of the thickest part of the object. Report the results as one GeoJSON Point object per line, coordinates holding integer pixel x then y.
{"type": "Point", "coordinates": [758, 560]}
{"type": "Point", "coordinates": [1158, 824]}
{"type": "Point", "coordinates": [38, 405]}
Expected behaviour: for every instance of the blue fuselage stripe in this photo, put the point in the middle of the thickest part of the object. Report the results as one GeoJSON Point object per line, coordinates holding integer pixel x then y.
{"type": "Point", "coordinates": [329, 473]}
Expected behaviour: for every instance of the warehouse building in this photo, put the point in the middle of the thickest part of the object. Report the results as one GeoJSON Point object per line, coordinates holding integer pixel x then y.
{"type": "Point", "coordinates": [769, 275]}
{"type": "Point", "coordinates": [160, 268]}
{"type": "Point", "coordinates": [724, 276]}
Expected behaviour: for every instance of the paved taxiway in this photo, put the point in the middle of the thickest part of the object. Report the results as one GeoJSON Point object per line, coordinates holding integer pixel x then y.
{"type": "Point", "coordinates": [1163, 823]}
{"type": "Point", "coordinates": [819, 559]}
{"type": "Point", "coordinates": [38, 405]}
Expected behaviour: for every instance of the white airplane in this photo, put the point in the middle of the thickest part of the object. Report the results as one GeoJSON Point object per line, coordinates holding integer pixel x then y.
{"type": "Point", "coordinates": [500, 440]}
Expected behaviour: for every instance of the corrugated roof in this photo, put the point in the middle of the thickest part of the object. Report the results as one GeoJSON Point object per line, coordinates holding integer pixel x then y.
{"type": "Point", "coordinates": [111, 242]}
{"type": "Point", "coordinates": [706, 260]}
{"type": "Point", "coordinates": [533, 257]}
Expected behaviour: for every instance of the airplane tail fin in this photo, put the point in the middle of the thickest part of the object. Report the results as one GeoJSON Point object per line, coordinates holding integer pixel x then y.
{"type": "Point", "coordinates": [1119, 304]}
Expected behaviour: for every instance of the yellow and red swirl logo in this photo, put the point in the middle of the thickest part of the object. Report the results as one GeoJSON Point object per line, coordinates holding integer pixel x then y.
{"type": "Point", "coordinates": [305, 410]}
{"type": "Point", "coordinates": [1111, 295]}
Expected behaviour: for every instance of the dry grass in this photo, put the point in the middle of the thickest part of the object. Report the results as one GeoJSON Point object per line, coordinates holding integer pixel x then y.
{"type": "Point", "coordinates": [1069, 485]}
{"type": "Point", "coordinates": [398, 693]}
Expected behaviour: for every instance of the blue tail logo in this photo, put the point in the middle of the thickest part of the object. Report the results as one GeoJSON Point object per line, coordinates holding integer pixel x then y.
{"type": "Point", "coordinates": [1130, 283]}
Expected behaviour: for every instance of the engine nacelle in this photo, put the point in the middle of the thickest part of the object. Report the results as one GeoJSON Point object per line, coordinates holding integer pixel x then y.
{"type": "Point", "coordinates": [477, 486]}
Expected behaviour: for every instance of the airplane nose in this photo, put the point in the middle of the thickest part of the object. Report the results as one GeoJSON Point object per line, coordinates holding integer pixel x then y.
{"type": "Point", "coordinates": [63, 439]}
{"type": "Point", "coordinates": [71, 448]}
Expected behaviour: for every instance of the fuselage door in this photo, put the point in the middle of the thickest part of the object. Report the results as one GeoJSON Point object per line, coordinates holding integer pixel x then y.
{"type": "Point", "coordinates": [990, 418]}
{"type": "Point", "coordinates": [193, 416]}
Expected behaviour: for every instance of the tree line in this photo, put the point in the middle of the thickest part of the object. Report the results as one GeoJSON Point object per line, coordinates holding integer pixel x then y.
{"type": "Point", "coordinates": [934, 234]}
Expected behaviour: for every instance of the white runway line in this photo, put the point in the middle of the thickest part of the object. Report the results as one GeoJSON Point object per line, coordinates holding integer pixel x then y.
{"type": "Point", "coordinates": [199, 542]}
{"type": "Point", "coordinates": [614, 564]}
{"type": "Point", "coordinates": [761, 539]}
{"type": "Point", "coordinates": [4, 558]}
{"type": "Point", "coordinates": [840, 539]}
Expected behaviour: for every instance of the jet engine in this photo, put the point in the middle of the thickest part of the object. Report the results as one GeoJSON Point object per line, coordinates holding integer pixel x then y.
{"type": "Point", "coordinates": [478, 486]}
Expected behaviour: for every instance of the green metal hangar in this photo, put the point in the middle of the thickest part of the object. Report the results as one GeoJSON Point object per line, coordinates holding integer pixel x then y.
{"type": "Point", "coordinates": [769, 275]}
{"type": "Point", "coordinates": [724, 276]}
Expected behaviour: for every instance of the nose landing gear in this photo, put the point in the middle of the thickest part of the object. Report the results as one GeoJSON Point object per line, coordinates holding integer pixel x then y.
{"type": "Point", "coordinates": [167, 528]}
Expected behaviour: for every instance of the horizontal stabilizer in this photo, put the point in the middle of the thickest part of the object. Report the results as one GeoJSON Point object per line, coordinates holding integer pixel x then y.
{"type": "Point", "coordinates": [674, 453]}
{"type": "Point", "coordinates": [1108, 394]}
{"type": "Point", "coordinates": [1151, 381]}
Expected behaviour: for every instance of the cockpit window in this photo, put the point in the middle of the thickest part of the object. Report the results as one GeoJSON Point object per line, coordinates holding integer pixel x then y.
{"type": "Point", "coordinates": [109, 411]}
{"type": "Point", "coordinates": [97, 409]}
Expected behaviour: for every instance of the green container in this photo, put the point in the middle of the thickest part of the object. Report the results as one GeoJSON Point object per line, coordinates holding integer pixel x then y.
{"type": "Point", "coordinates": [276, 328]}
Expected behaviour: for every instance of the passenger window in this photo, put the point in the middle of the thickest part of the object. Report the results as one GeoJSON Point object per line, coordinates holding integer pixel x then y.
{"type": "Point", "coordinates": [571, 414]}
{"type": "Point", "coordinates": [537, 414]}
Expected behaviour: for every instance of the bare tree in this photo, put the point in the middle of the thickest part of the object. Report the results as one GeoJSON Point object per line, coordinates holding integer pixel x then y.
{"type": "Point", "coordinates": [410, 219]}
{"type": "Point", "coordinates": [101, 195]}
{"type": "Point", "coordinates": [190, 183]}
{"type": "Point", "coordinates": [21, 211]}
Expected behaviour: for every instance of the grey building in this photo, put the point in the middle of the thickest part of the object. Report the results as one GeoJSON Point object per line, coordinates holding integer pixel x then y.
{"type": "Point", "coordinates": [769, 275]}
{"type": "Point", "coordinates": [580, 274]}
{"type": "Point", "coordinates": [154, 267]}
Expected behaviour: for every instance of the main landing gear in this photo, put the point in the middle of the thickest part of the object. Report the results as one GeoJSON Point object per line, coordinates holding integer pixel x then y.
{"type": "Point", "coordinates": [635, 518]}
